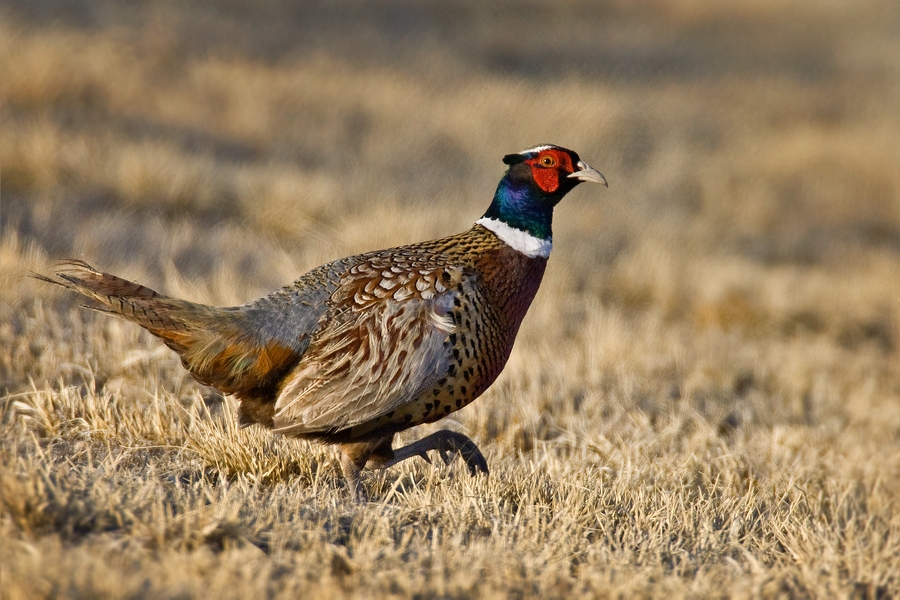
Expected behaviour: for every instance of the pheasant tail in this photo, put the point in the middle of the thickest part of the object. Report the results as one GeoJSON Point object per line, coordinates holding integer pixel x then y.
{"type": "Point", "coordinates": [219, 346]}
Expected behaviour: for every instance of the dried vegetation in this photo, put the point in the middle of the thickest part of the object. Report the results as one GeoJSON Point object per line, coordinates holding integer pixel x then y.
{"type": "Point", "coordinates": [704, 400]}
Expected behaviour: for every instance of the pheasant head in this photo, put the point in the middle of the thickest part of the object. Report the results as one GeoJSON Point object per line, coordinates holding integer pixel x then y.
{"type": "Point", "coordinates": [521, 212]}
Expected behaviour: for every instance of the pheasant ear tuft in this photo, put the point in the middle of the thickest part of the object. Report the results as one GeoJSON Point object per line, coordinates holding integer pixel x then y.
{"type": "Point", "coordinates": [513, 159]}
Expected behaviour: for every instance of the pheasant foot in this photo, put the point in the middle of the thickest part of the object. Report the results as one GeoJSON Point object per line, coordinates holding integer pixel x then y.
{"type": "Point", "coordinates": [445, 442]}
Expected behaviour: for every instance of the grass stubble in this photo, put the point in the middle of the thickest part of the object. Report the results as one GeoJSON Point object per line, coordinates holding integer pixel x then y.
{"type": "Point", "coordinates": [703, 401]}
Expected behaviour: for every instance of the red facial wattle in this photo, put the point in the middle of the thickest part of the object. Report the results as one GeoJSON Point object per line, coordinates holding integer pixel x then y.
{"type": "Point", "coordinates": [547, 179]}
{"type": "Point", "coordinates": [547, 167]}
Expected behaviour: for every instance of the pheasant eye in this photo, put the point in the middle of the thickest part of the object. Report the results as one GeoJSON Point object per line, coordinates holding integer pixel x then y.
{"type": "Point", "coordinates": [548, 161]}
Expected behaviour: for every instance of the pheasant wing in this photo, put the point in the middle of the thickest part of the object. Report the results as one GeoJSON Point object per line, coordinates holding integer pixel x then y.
{"type": "Point", "coordinates": [384, 341]}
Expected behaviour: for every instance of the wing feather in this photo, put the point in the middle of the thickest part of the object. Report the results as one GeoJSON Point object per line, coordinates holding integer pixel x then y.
{"type": "Point", "coordinates": [376, 355]}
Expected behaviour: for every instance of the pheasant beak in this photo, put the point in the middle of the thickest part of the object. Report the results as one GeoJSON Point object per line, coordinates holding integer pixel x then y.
{"type": "Point", "coordinates": [588, 173]}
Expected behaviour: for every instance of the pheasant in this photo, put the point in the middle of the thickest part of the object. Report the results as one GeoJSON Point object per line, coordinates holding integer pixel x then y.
{"type": "Point", "coordinates": [361, 348]}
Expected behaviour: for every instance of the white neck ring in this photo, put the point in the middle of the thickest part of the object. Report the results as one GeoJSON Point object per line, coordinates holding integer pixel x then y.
{"type": "Point", "coordinates": [518, 240]}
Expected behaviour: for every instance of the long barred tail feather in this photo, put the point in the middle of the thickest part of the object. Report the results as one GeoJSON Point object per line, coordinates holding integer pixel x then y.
{"type": "Point", "coordinates": [121, 297]}
{"type": "Point", "coordinates": [221, 347]}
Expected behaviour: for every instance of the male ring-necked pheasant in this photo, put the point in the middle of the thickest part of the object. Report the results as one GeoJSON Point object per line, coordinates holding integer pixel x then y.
{"type": "Point", "coordinates": [366, 346]}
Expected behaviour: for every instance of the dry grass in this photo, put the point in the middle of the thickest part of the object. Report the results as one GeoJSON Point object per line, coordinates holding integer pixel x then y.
{"type": "Point", "coordinates": [703, 401]}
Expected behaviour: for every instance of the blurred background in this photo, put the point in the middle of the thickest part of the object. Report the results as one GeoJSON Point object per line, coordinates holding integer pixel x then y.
{"type": "Point", "coordinates": [704, 397]}
{"type": "Point", "coordinates": [217, 150]}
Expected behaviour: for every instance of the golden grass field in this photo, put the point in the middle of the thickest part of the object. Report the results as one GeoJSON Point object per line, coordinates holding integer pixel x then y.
{"type": "Point", "coordinates": [704, 399]}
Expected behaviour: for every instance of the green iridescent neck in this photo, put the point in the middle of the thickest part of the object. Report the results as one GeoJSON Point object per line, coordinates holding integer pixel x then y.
{"type": "Point", "coordinates": [523, 207]}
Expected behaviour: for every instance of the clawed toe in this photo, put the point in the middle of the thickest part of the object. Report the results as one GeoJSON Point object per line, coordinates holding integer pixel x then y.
{"type": "Point", "coordinates": [451, 442]}
{"type": "Point", "coordinates": [447, 444]}
{"type": "Point", "coordinates": [476, 463]}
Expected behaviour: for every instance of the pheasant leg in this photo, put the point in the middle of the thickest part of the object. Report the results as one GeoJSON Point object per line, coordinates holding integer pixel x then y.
{"type": "Point", "coordinates": [354, 457]}
{"type": "Point", "coordinates": [351, 467]}
{"type": "Point", "coordinates": [444, 442]}
{"type": "Point", "coordinates": [378, 454]}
